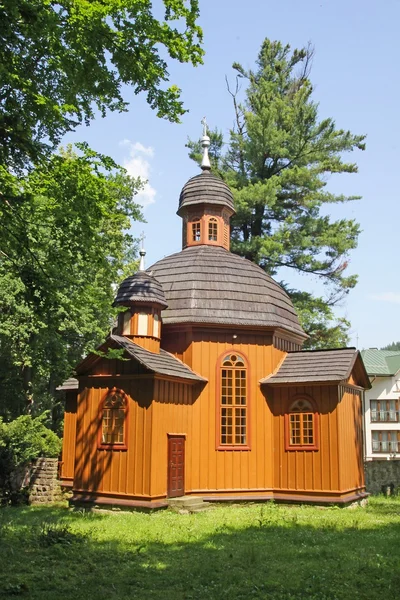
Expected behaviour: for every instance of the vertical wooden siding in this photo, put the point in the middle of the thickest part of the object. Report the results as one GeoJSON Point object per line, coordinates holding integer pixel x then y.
{"type": "Point", "coordinates": [209, 469]}
{"type": "Point", "coordinates": [351, 438]}
{"type": "Point", "coordinates": [69, 437]}
{"type": "Point", "coordinates": [172, 413]}
{"type": "Point", "coordinates": [115, 471]}
{"type": "Point", "coordinates": [316, 471]}
{"type": "Point", "coordinates": [168, 407]}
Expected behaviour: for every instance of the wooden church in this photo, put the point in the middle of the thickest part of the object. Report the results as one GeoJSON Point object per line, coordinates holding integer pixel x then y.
{"type": "Point", "coordinates": [212, 395]}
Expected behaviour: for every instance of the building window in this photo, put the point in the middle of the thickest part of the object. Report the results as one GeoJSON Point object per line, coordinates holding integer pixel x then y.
{"type": "Point", "coordinates": [213, 230]}
{"type": "Point", "coordinates": [233, 406]}
{"type": "Point", "coordinates": [126, 325]}
{"type": "Point", "coordinates": [301, 426]}
{"type": "Point", "coordinates": [196, 230]}
{"type": "Point", "coordinates": [386, 441]}
{"type": "Point", "coordinates": [384, 411]}
{"type": "Point", "coordinates": [142, 323]}
{"type": "Point", "coordinates": [156, 325]}
{"type": "Point", "coordinates": [113, 420]}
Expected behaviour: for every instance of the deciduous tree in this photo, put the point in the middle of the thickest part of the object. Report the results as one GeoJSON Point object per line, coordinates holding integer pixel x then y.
{"type": "Point", "coordinates": [61, 59]}
{"type": "Point", "coordinates": [65, 245]}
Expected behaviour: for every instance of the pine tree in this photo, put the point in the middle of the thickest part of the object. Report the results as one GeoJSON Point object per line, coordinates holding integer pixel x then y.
{"type": "Point", "coordinates": [393, 346]}
{"type": "Point", "coordinates": [277, 162]}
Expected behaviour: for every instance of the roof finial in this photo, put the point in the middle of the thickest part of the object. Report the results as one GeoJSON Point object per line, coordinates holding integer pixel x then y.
{"type": "Point", "coordinates": [142, 253]}
{"type": "Point", "coordinates": [205, 142]}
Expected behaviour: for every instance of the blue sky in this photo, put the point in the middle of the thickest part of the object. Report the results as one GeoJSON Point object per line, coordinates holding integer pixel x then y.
{"type": "Point", "coordinates": [356, 80]}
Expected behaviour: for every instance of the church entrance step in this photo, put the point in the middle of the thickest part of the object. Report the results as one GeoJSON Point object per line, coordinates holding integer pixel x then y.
{"type": "Point", "coordinates": [186, 504]}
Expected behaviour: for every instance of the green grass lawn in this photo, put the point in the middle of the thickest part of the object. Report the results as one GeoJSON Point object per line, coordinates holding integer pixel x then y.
{"type": "Point", "coordinates": [232, 552]}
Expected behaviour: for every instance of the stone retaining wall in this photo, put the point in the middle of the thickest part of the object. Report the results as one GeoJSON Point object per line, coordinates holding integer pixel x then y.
{"type": "Point", "coordinates": [42, 481]}
{"type": "Point", "coordinates": [382, 476]}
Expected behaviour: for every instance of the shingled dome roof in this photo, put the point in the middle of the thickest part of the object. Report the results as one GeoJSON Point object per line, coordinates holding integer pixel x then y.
{"type": "Point", "coordinates": [208, 284]}
{"type": "Point", "coordinates": [205, 188]}
{"type": "Point", "coordinates": [140, 287]}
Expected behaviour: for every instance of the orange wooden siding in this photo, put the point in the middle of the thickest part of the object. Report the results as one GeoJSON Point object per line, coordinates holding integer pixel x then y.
{"type": "Point", "coordinates": [172, 414]}
{"type": "Point", "coordinates": [306, 470]}
{"type": "Point", "coordinates": [351, 438]}
{"type": "Point", "coordinates": [229, 470]}
{"type": "Point", "coordinates": [206, 468]}
{"type": "Point", "coordinates": [69, 437]}
{"type": "Point", "coordinates": [167, 407]}
{"type": "Point", "coordinates": [115, 471]}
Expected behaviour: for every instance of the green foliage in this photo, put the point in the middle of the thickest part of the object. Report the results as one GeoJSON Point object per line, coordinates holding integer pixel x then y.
{"type": "Point", "coordinates": [61, 60]}
{"type": "Point", "coordinates": [265, 552]}
{"type": "Point", "coordinates": [277, 162]}
{"type": "Point", "coordinates": [64, 244]}
{"type": "Point", "coordinates": [28, 438]}
{"type": "Point", "coordinates": [316, 317]}
{"type": "Point", "coordinates": [51, 533]}
{"type": "Point", "coordinates": [392, 346]}
{"type": "Point", "coordinates": [21, 441]}
{"type": "Point", "coordinates": [64, 219]}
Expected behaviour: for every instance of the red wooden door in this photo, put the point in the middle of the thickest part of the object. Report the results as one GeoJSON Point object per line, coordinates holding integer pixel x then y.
{"type": "Point", "coordinates": [176, 466]}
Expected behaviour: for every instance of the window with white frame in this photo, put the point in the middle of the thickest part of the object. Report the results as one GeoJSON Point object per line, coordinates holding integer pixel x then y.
{"type": "Point", "coordinates": [384, 411]}
{"type": "Point", "coordinates": [386, 441]}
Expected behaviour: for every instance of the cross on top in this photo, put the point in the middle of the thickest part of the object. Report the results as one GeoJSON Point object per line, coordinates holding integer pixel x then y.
{"type": "Point", "coordinates": [204, 123]}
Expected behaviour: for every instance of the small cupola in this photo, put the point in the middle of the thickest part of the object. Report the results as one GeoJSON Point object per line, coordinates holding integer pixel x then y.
{"type": "Point", "coordinates": [206, 206]}
{"type": "Point", "coordinates": [144, 298]}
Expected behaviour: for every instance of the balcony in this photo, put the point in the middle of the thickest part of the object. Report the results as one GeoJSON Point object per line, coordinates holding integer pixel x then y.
{"type": "Point", "coordinates": [385, 416]}
{"type": "Point", "coordinates": [386, 446]}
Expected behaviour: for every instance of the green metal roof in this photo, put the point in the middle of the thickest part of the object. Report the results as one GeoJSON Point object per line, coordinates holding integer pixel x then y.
{"type": "Point", "coordinates": [381, 362]}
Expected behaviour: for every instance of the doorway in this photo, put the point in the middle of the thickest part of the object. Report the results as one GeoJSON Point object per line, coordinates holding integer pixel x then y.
{"type": "Point", "coordinates": [176, 465]}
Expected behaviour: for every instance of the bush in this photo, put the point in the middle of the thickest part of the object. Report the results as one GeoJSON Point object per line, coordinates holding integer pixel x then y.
{"type": "Point", "coordinates": [21, 441]}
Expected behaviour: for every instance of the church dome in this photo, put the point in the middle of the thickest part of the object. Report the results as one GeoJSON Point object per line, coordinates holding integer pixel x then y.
{"type": "Point", "coordinates": [205, 188]}
{"type": "Point", "coordinates": [209, 284]}
{"type": "Point", "coordinates": [140, 287]}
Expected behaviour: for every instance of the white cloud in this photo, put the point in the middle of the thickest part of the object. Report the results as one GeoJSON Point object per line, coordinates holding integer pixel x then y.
{"type": "Point", "coordinates": [387, 297]}
{"type": "Point", "coordinates": [137, 165]}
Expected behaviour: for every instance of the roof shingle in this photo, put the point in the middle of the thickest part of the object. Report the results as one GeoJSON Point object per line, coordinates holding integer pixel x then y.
{"type": "Point", "coordinates": [140, 287]}
{"type": "Point", "coordinates": [206, 188]}
{"type": "Point", "coordinates": [314, 366]}
{"type": "Point", "coordinates": [209, 284]}
{"type": "Point", "coordinates": [163, 363]}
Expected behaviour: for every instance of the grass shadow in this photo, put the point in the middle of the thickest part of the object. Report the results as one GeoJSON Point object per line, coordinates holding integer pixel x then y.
{"type": "Point", "coordinates": [235, 553]}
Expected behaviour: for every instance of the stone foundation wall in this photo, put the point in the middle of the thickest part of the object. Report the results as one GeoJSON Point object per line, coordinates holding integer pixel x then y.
{"type": "Point", "coordinates": [382, 476]}
{"type": "Point", "coordinates": [42, 481]}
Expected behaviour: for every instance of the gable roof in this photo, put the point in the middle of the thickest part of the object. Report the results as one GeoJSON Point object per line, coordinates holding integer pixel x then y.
{"type": "Point", "coordinates": [163, 363]}
{"type": "Point", "coordinates": [313, 366]}
{"type": "Point", "coordinates": [381, 363]}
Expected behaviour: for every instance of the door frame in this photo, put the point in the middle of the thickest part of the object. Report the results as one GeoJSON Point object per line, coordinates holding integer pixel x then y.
{"type": "Point", "coordinates": [171, 436]}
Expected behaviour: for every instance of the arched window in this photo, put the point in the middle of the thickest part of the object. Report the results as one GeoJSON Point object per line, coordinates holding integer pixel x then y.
{"type": "Point", "coordinates": [196, 230]}
{"type": "Point", "coordinates": [113, 419]}
{"type": "Point", "coordinates": [234, 403]}
{"type": "Point", "coordinates": [301, 429]}
{"type": "Point", "coordinates": [212, 230]}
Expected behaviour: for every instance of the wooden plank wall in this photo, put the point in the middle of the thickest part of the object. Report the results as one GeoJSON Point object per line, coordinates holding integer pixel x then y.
{"type": "Point", "coordinates": [115, 471]}
{"type": "Point", "coordinates": [316, 471]}
{"type": "Point", "coordinates": [208, 469]}
{"type": "Point", "coordinates": [172, 406]}
{"type": "Point", "coordinates": [351, 438]}
{"type": "Point", "coordinates": [69, 437]}
{"type": "Point", "coordinates": [167, 407]}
